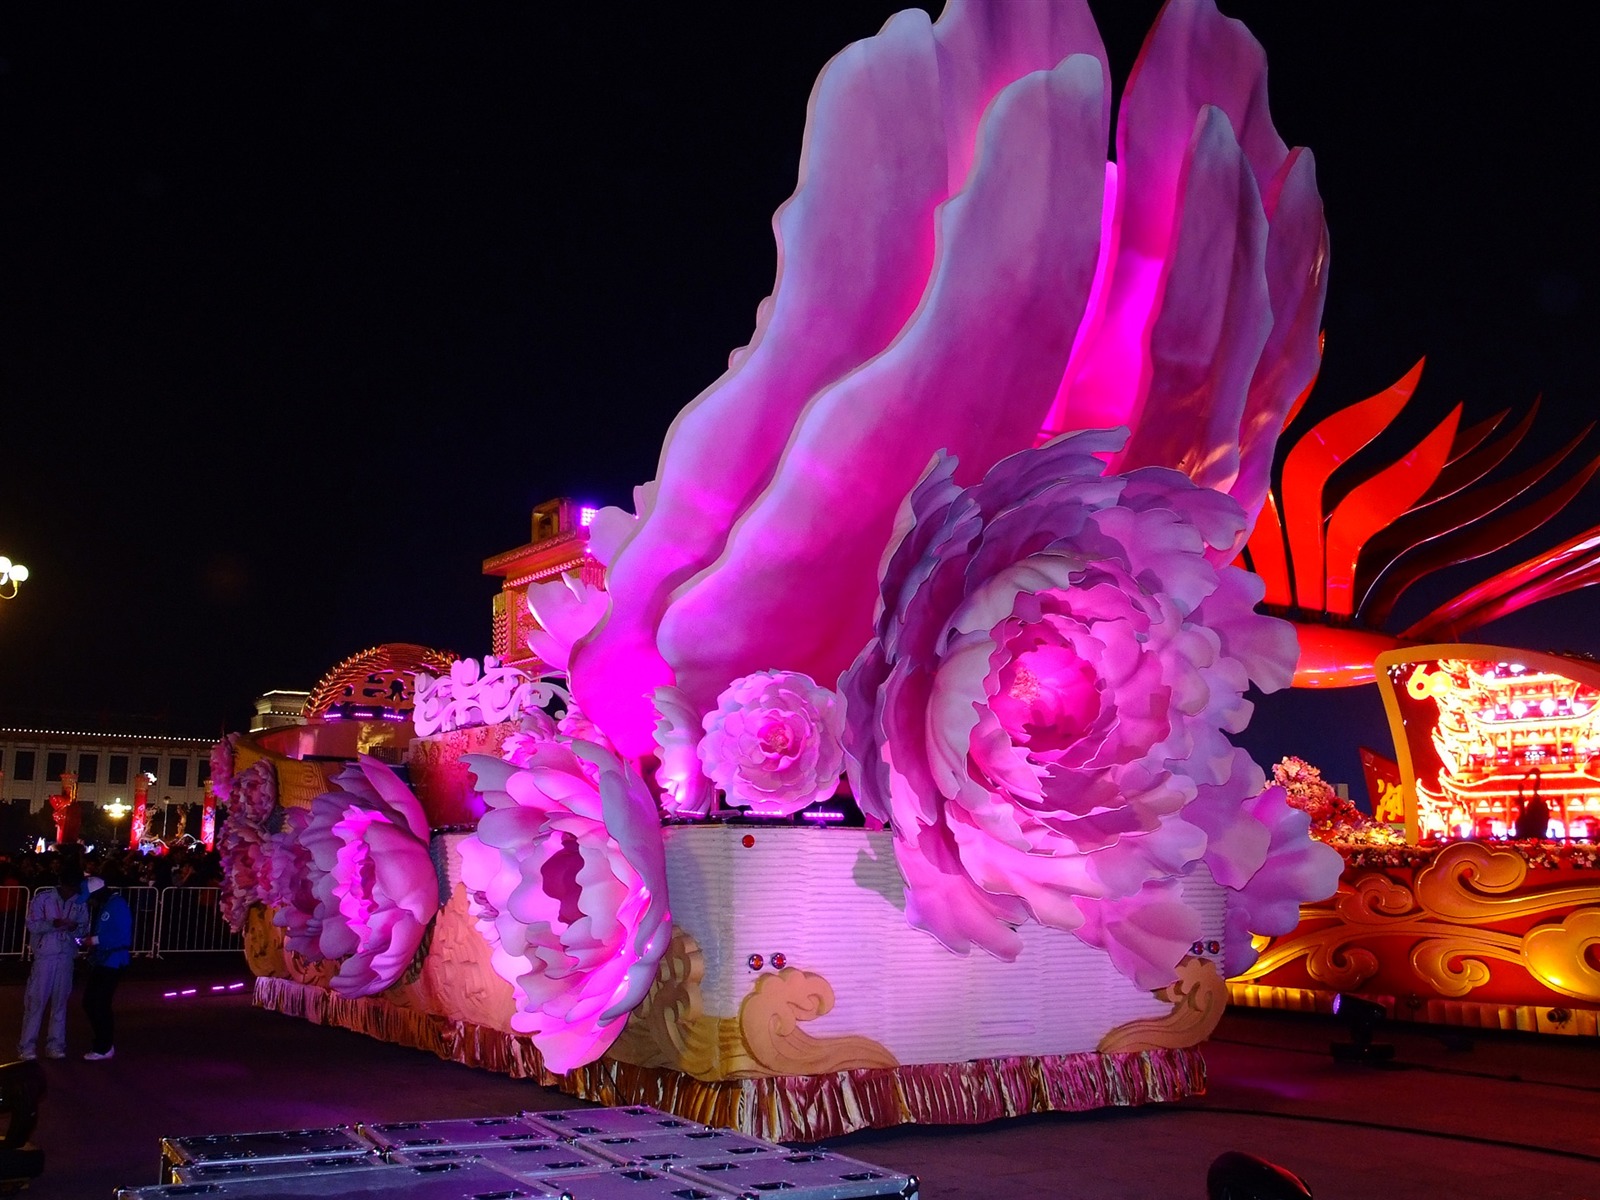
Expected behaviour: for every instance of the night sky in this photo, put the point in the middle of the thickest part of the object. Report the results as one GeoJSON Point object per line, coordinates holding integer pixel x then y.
{"type": "Point", "coordinates": [303, 307]}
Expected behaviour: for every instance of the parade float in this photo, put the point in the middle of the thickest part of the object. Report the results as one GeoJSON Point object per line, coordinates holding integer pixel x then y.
{"type": "Point", "coordinates": [1454, 907]}
{"type": "Point", "coordinates": [877, 768]}
{"type": "Point", "coordinates": [1480, 907]}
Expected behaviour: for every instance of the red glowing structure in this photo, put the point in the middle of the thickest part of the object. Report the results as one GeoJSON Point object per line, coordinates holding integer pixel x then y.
{"type": "Point", "coordinates": [1337, 570]}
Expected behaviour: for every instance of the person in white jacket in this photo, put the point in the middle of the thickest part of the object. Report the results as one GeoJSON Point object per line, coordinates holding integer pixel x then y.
{"type": "Point", "coordinates": [56, 920]}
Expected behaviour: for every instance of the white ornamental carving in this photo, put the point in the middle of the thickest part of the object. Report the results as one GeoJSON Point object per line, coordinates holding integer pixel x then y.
{"type": "Point", "coordinates": [479, 695]}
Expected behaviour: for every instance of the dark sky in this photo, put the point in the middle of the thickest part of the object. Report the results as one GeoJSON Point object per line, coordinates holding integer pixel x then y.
{"type": "Point", "coordinates": [303, 307]}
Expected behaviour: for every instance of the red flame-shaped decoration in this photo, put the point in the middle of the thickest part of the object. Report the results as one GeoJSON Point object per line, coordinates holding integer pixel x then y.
{"type": "Point", "coordinates": [1339, 572]}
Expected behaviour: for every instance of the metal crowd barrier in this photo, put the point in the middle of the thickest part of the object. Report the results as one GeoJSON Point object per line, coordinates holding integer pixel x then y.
{"type": "Point", "coordinates": [174, 921]}
{"type": "Point", "coordinates": [145, 904]}
{"type": "Point", "coordinates": [13, 921]}
{"type": "Point", "coordinates": [190, 922]}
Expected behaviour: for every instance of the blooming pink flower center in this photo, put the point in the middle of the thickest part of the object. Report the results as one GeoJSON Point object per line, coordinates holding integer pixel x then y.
{"type": "Point", "coordinates": [775, 736]}
{"type": "Point", "coordinates": [559, 875]}
{"type": "Point", "coordinates": [1047, 696]}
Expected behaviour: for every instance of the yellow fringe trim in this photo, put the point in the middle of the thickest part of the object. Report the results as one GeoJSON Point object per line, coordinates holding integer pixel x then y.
{"type": "Point", "coordinates": [782, 1108]}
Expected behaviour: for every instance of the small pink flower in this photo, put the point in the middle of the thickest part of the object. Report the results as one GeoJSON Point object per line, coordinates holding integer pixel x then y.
{"type": "Point", "coordinates": [772, 743]}
{"type": "Point", "coordinates": [375, 884]}
{"type": "Point", "coordinates": [567, 881]}
{"type": "Point", "coordinates": [685, 790]}
{"type": "Point", "coordinates": [575, 724]}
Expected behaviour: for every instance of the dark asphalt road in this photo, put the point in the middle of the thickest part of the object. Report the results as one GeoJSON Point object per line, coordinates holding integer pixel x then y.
{"type": "Point", "coordinates": [1510, 1116]}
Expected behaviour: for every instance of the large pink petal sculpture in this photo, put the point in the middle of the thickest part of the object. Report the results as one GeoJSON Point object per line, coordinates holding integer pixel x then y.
{"type": "Point", "coordinates": [1056, 667]}
{"type": "Point", "coordinates": [1002, 278]}
{"type": "Point", "coordinates": [374, 882]}
{"type": "Point", "coordinates": [567, 881]}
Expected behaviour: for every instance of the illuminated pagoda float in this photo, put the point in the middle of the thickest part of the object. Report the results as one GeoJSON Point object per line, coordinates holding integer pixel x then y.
{"type": "Point", "coordinates": [887, 777]}
{"type": "Point", "coordinates": [1430, 917]}
{"type": "Point", "coordinates": [1504, 733]}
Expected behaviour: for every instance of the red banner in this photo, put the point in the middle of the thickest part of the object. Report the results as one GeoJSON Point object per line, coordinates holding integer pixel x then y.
{"type": "Point", "coordinates": [1383, 787]}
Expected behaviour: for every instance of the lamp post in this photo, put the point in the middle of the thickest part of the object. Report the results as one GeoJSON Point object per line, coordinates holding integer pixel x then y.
{"type": "Point", "coordinates": [116, 810]}
{"type": "Point", "coordinates": [11, 575]}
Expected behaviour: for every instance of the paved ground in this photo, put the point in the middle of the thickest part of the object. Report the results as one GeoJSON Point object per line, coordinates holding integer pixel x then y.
{"type": "Point", "coordinates": [1507, 1115]}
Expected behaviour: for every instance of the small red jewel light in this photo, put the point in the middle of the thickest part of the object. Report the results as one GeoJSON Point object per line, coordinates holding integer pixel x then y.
{"type": "Point", "coordinates": [756, 962]}
{"type": "Point", "coordinates": [777, 962]}
{"type": "Point", "coordinates": [748, 840]}
{"type": "Point", "coordinates": [1214, 947]}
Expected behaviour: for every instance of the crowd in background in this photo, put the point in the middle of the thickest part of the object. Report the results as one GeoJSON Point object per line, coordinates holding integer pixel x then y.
{"type": "Point", "coordinates": [181, 866]}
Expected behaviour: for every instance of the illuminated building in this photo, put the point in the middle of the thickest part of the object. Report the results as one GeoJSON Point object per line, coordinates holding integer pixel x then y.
{"type": "Point", "coordinates": [277, 708]}
{"type": "Point", "coordinates": [559, 543]}
{"type": "Point", "coordinates": [32, 762]}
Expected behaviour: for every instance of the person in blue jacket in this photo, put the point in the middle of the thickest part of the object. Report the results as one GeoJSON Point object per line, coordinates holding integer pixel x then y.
{"type": "Point", "coordinates": [110, 940]}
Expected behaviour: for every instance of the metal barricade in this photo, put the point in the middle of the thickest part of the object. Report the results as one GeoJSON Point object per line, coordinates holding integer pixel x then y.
{"type": "Point", "coordinates": [13, 921]}
{"type": "Point", "coordinates": [145, 905]}
{"type": "Point", "coordinates": [189, 921]}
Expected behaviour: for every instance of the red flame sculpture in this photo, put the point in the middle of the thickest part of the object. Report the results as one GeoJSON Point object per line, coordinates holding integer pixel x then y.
{"type": "Point", "coordinates": [1337, 572]}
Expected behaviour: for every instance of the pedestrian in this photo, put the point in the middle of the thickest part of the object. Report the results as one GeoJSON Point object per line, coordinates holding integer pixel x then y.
{"type": "Point", "coordinates": [110, 942]}
{"type": "Point", "coordinates": [56, 920]}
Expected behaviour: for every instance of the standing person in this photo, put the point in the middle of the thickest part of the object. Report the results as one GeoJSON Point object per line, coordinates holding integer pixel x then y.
{"type": "Point", "coordinates": [56, 919]}
{"type": "Point", "coordinates": [110, 941]}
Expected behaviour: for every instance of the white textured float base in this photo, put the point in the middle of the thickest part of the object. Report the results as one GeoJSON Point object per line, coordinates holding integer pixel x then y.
{"type": "Point", "coordinates": [830, 901]}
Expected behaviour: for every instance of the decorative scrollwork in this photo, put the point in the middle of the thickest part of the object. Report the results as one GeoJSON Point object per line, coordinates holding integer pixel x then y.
{"type": "Point", "coordinates": [1198, 1000]}
{"type": "Point", "coordinates": [770, 1020]}
{"type": "Point", "coordinates": [1443, 927]}
{"type": "Point", "coordinates": [670, 1028]}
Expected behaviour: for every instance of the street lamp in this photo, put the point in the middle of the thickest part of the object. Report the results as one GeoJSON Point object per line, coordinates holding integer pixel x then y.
{"type": "Point", "coordinates": [11, 574]}
{"type": "Point", "coordinates": [116, 810]}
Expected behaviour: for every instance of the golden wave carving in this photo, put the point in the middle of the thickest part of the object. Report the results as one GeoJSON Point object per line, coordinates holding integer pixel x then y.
{"type": "Point", "coordinates": [456, 973]}
{"type": "Point", "coordinates": [263, 944]}
{"type": "Point", "coordinates": [670, 1027]}
{"type": "Point", "coordinates": [1443, 913]}
{"type": "Point", "coordinates": [770, 1019]}
{"type": "Point", "coordinates": [1198, 999]}
{"type": "Point", "coordinates": [1560, 955]}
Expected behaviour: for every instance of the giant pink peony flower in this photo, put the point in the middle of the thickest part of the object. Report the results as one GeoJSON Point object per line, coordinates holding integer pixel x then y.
{"type": "Point", "coordinates": [772, 743]}
{"type": "Point", "coordinates": [568, 883]}
{"type": "Point", "coordinates": [960, 268]}
{"type": "Point", "coordinates": [1056, 667]}
{"type": "Point", "coordinates": [374, 883]}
